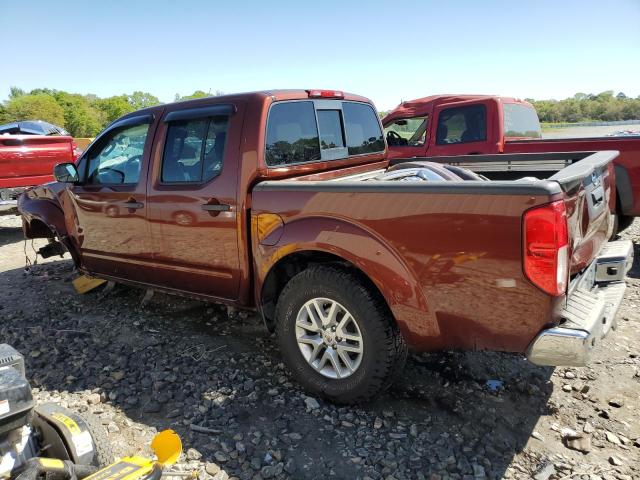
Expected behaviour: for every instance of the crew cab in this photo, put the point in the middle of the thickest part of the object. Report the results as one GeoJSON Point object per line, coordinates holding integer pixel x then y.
{"type": "Point", "coordinates": [449, 125]}
{"type": "Point", "coordinates": [284, 202]}
{"type": "Point", "coordinates": [28, 152]}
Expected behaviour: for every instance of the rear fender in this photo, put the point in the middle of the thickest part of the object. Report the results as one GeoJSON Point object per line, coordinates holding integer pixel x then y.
{"type": "Point", "coordinates": [360, 247]}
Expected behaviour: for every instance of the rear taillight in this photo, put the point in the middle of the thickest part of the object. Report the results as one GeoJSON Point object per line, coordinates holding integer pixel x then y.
{"type": "Point", "coordinates": [325, 94]}
{"type": "Point", "coordinates": [546, 247]}
{"type": "Point", "coordinates": [75, 151]}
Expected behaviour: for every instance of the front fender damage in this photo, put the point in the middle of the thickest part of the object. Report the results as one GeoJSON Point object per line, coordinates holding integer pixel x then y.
{"type": "Point", "coordinates": [43, 217]}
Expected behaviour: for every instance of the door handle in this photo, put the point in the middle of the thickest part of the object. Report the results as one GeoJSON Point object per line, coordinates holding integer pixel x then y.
{"type": "Point", "coordinates": [133, 205]}
{"type": "Point", "coordinates": [216, 207]}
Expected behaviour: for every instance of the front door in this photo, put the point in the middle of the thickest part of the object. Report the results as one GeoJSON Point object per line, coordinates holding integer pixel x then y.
{"type": "Point", "coordinates": [108, 223]}
{"type": "Point", "coordinates": [192, 199]}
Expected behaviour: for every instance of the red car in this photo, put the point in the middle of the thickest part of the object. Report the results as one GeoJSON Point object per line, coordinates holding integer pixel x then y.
{"type": "Point", "coordinates": [28, 152]}
{"type": "Point", "coordinates": [450, 125]}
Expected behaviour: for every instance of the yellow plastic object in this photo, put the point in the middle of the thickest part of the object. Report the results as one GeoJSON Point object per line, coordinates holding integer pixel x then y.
{"type": "Point", "coordinates": [85, 283]}
{"type": "Point", "coordinates": [127, 468]}
{"type": "Point", "coordinates": [167, 447]}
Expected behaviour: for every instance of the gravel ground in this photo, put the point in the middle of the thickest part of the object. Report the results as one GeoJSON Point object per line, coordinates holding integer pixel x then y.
{"type": "Point", "coordinates": [219, 382]}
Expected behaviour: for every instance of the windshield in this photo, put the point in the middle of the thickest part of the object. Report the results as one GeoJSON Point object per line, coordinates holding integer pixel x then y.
{"type": "Point", "coordinates": [410, 132]}
{"type": "Point", "coordinates": [521, 121]}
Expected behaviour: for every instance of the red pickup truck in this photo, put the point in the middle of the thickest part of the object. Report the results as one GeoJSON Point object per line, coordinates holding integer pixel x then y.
{"type": "Point", "coordinates": [449, 125]}
{"type": "Point", "coordinates": [284, 202]}
{"type": "Point", "coordinates": [28, 152]}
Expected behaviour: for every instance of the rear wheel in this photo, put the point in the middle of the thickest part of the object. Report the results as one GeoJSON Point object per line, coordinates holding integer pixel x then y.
{"type": "Point", "coordinates": [337, 336]}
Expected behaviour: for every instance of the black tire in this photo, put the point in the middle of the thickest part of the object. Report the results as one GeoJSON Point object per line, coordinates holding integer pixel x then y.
{"type": "Point", "coordinates": [384, 350]}
{"type": "Point", "coordinates": [104, 453]}
{"type": "Point", "coordinates": [624, 222]}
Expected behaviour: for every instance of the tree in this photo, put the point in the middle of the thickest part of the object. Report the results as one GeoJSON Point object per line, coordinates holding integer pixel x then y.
{"type": "Point", "coordinates": [140, 100]}
{"type": "Point", "coordinates": [15, 92]}
{"type": "Point", "coordinates": [34, 107]}
{"type": "Point", "coordinates": [81, 118]}
{"type": "Point", "coordinates": [114, 107]}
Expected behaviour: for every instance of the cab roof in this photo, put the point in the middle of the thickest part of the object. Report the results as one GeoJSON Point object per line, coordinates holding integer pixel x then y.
{"type": "Point", "coordinates": [424, 105]}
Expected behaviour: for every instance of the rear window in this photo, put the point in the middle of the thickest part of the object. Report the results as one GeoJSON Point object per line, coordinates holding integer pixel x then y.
{"type": "Point", "coordinates": [462, 125]}
{"type": "Point", "coordinates": [310, 131]}
{"type": "Point", "coordinates": [521, 121]}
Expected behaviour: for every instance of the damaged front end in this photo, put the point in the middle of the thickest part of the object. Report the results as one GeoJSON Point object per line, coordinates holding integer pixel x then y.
{"type": "Point", "coordinates": [43, 217]}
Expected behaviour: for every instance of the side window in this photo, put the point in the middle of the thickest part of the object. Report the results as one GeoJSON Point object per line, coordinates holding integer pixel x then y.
{"type": "Point", "coordinates": [194, 150]}
{"type": "Point", "coordinates": [362, 128]}
{"type": "Point", "coordinates": [409, 132]}
{"type": "Point", "coordinates": [292, 134]}
{"type": "Point", "coordinates": [117, 158]}
{"type": "Point", "coordinates": [462, 125]}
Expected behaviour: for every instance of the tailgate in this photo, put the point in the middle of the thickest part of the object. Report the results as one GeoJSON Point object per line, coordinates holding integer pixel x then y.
{"type": "Point", "coordinates": [27, 160]}
{"type": "Point", "coordinates": [589, 187]}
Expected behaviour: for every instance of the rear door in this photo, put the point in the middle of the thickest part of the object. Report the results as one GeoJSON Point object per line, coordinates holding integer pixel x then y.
{"type": "Point", "coordinates": [192, 198]}
{"type": "Point", "coordinates": [463, 128]}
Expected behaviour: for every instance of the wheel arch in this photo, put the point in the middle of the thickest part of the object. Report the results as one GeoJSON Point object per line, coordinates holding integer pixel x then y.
{"type": "Point", "coordinates": [321, 240]}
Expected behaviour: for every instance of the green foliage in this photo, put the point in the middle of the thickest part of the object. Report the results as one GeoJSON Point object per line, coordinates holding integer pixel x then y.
{"type": "Point", "coordinates": [114, 107]}
{"type": "Point", "coordinates": [33, 107]}
{"type": "Point", "coordinates": [583, 107]}
{"type": "Point", "coordinates": [140, 100]}
{"type": "Point", "coordinates": [197, 94]}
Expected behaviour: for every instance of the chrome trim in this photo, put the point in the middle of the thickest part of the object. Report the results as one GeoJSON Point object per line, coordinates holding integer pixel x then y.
{"type": "Point", "coordinates": [589, 313]}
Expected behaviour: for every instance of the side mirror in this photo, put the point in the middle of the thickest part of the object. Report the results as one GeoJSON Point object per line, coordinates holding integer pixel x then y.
{"type": "Point", "coordinates": [66, 173]}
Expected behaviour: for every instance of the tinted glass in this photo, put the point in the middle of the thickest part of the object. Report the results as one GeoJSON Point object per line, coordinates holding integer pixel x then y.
{"type": "Point", "coordinates": [215, 146]}
{"type": "Point", "coordinates": [462, 125]}
{"type": "Point", "coordinates": [194, 150]}
{"type": "Point", "coordinates": [362, 129]}
{"type": "Point", "coordinates": [292, 134]}
{"type": "Point", "coordinates": [410, 132]}
{"type": "Point", "coordinates": [521, 121]}
{"type": "Point", "coordinates": [118, 157]}
{"type": "Point", "coordinates": [330, 126]}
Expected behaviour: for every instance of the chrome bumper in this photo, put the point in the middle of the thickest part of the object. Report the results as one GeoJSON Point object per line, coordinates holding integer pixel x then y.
{"type": "Point", "coordinates": [590, 310]}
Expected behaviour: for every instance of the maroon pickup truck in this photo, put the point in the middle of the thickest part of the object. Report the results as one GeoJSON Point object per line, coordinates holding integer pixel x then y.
{"type": "Point", "coordinates": [28, 152]}
{"type": "Point", "coordinates": [285, 202]}
{"type": "Point", "coordinates": [449, 125]}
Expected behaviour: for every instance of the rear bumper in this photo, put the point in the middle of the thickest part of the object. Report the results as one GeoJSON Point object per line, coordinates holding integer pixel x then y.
{"type": "Point", "coordinates": [589, 312]}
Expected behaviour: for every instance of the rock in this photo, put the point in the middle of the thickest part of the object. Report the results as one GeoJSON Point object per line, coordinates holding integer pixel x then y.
{"type": "Point", "coordinates": [221, 456]}
{"type": "Point", "coordinates": [478, 471]}
{"type": "Point", "coordinates": [93, 398]}
{"type": "Point", "coordinates": [152, 407]}
{"type": "Point", "coordinates": [588, 428]}
{"type": "Point", "coordinates": [377, 423]}
{"type": "Point", "coordinates": [211, 468]}
{"type": "Point", "coordinates": [545, 472]}
{"type": "Point", "coordinates": [581, 443]}
{"type": "Point", "coordinates": [566, 387]}
{"type": "Point", "coordinates": [569, 374]}
{"type": "Point", "coordinates": [311, 403]}
{"type": "Point", "coordinates": [268, 471]}
{"type": "Point", "coordinates": [537, 436]}
{"type": "Point", "coordinates": [221, 475]}
{"type": "Point", "coordinates": [193, 454]}
{"type": "Point", "coordinates": [612, 437]}
{"type": "Point", "coordinates": [616, 402]}
{"type": "Point", "coordinates": [613, 460]}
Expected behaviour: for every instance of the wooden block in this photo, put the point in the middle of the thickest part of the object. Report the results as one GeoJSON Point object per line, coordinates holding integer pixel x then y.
{"type": "Point", "coordinates": [85, 283]}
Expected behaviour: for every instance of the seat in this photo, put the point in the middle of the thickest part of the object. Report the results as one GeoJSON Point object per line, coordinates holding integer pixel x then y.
{"type": "Point", "coordinates": [441, 134]}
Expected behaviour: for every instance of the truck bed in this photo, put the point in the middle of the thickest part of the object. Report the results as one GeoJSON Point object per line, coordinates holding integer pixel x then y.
{"type": "Point", "coordinates": [458, 242]}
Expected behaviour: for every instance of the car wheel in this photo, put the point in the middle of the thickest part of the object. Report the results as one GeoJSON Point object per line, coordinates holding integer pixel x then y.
{"type": "Point", "coordinates": [337, 335]}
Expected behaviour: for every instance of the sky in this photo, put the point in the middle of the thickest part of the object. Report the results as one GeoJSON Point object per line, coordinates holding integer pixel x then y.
{"type": "Point", "coordinates": [389, 51]}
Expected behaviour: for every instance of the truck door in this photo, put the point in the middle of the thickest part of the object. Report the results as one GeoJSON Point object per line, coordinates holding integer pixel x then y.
{"type": "Point", "coordinates": [108, 221]}
{"type": "Point", "coordinates": [192, 198]}
{"type": "Point", "coordinates": [463, 128]}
